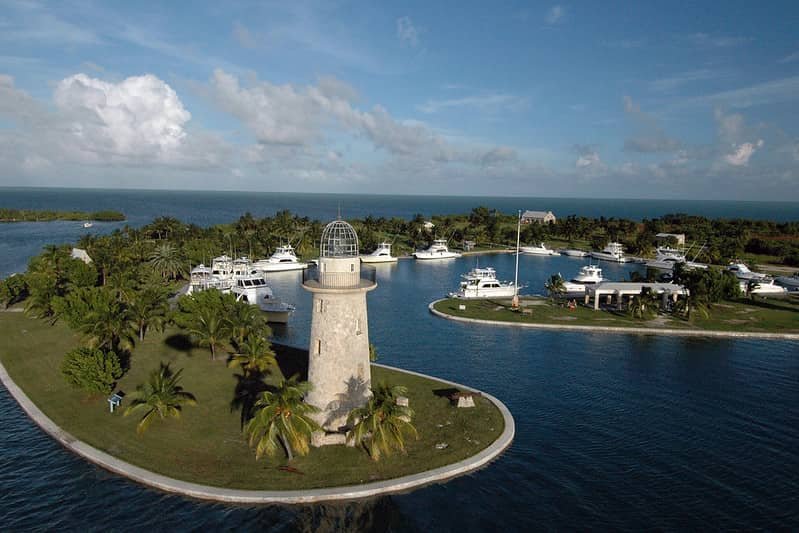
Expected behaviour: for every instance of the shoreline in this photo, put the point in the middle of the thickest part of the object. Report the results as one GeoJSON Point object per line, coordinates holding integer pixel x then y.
{"type": "Point", "coordinates": [618, 329]}
{"type": "Point", "coordinates": [207, 492]}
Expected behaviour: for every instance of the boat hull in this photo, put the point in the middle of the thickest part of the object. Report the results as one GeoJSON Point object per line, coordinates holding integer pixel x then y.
{"type": "Point", "coordinates": [425, 256]}
{"type": "Point", "coordinates": [533, 251]}
{"type": "Point", "coordinates": [373, 259]}
{"type": "Point", "coordinates": [609, 257]}
{"type": "Point", "coordinates": [280, 267]}
{"type": "Point", "coordinates": [504, 292]}
{"type": "Point", "coordinates": [574, 253]}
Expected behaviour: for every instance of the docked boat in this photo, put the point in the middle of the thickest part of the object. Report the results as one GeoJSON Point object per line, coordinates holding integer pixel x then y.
{"type": "Point", "coordinates": [571, 252]}
{"type": "Point", "coordinates": [483, 283]}
{"type": "Point", "coordinates": [667, 257]}
{"type": "Point", "coordinates": [588, 275]}
{"type": "Point", "coordinates": [87, 224]}
{"type": "Point", "coordinates": [437, 250]}
{"type": "Point", "coordinates": [253, 289]}
{"type": "Point", "coordinates": [613, 252]}
{"type": "Point", "coordinates": [381, 255]}
{"type": "Point", "coordinates": [742, 272]}
{"type": "Point", "coordinates": [790, 282]}
{"type": "Point", "coordinates": [762, 287]}
{"type": "Point", "coordinates": [282, 260]}
{"type": "Point", "coordinates": [541, 249]}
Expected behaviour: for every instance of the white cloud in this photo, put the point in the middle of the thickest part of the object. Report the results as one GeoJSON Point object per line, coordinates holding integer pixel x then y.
{"type": "Point", "coordinates": [587, 157]}
{"type": "Point", "coordinates": [555, 14]}
{"type": "Point", "coordinates": [770, 92]}
{"type": "Point", "coordinates": [706, 40]}
{"type": "Point", "coordinates": [741, 154]}
{"type": "Point", "coordinates": [790, 58]}
{"type": "Point", "coordinates": [676, 81]}
{"type": "Point", "coordinates": [484, 102]}
{"type": "Point", "coordinates": [407, 32]}
{"type": "Point", "coordinates": [243, 35]}
{"type": "Point", "coordinates": [139, 116]}
{"type": "Point", "coordinates": [730, 127]}
{"type": "Point", "coordinates": [649, 136]}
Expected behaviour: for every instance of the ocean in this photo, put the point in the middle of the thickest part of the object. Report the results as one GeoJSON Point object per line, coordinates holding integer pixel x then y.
{"type": "Point", "coordinates": [614, 432]}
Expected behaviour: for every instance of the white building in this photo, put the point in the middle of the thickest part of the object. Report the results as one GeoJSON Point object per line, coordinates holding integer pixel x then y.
{"type": "Point", "coordinates": [679, 237]}
{"type": "Point", "coordinates": [338, 358]}
{"type": "Point", "coordinates": [541, 217]}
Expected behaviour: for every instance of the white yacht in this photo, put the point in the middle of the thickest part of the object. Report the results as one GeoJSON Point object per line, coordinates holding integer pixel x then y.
{"type": "Point", "coordinates": [381, 255]}
{"type": "Point", "coordinates": [790, 282]}
{"type": "Point", "coordinates": [253, 289]}
{"type": "Point", "coordinates": [437, 250]}
{"type": "Point", "coordinates": [541, 249]}
{"type": "Point", "coordinates": [667, 257]}
{"type": "Point", "coordinates": [483, 283]}
{"type": "Point", "coordinates": [763, 287]}
{"type": "Point", "coordinates": [87, 224]}
{"type": "Point", "coordinates": [283, 259]}
{"type": "Point", "coordinates": [588, 275]}
{"type": "Point", "coordinates": [570, 252]}
{"type": "Point", "coordinates": [613, 252]}
{"type": "Point", "coordinates": [742, 272]}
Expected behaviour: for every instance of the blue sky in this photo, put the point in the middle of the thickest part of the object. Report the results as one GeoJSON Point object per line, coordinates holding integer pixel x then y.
{"type": "Point", "coordinates": [639, 99]}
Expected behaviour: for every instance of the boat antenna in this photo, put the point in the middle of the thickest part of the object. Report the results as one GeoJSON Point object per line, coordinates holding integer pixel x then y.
{"type": "Point", "coordinates": [515, 302]}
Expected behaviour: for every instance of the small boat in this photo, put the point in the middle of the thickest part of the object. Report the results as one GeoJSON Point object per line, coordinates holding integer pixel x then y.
{"type": "Point", "coordinates": [437, 250]}
{"type": "Point", "coordinates": [483, 283]}
{"type": "Point", "coordinates": [790, 282]}
{"type": "Point", "coordinates": [588, 275]}
{"type": "Point", "coordinates": [762, 287]}
{"type": "Point", "coordinates": [571, 252]}
{"type": "Point", "coordinates": [613, 252]}
{"type": "Point", "coordinates": [538, 250]}
{"type": "Point", "coordinates": [381, 255]}
{"type": "Point", "coordinates": [742, 272]}
{"type": "Point", "coordinates": [87, 224]}
{"type": "Point", "coordinates": [282, 260]}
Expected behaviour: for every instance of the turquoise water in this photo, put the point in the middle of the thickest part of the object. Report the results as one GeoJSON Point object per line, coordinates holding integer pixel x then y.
{"type": "Point", "coordinates": [617, 432]}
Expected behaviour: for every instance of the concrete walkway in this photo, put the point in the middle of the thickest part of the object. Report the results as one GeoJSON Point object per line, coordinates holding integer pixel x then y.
{"type": "Point", "coordinates": [402, 484]}
{"type": "Point", "coordinates": [616, 329]}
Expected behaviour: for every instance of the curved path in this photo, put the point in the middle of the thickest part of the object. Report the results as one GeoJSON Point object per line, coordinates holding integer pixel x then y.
{"type": "Point", "coordinates": [205, 492]}
{"type": "Point", "coordinates": [616, 329]}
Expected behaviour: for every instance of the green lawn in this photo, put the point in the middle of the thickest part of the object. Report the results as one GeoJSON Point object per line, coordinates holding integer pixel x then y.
{"type": "Point", "coordinates": [773, 315]}
{"type": "Point", "coordinates": [206, 445]}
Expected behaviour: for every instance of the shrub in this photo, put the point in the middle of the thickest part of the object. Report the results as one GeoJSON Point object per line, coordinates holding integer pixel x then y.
{"type": "Point", "coordinates": [92, 370]}
{"type": "Point", "coordinates": [13, 290]}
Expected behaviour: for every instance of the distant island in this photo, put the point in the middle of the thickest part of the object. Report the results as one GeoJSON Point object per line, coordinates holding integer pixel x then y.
{"type": "Point", "coordinates": [46, 215]}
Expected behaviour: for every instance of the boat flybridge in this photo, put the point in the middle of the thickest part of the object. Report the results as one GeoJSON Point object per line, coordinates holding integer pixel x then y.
{"type": "Point", "coordinates": [437, 250]}
{"type": "Point", "coordinates": [253, 289]}
{"type": "Point", "coordinates": [588, 275]}
{"type": "Point", "coordinates": [613, 252]}
{"type": "Point", "coordinates": [483, 283]}
{"type": "Point", "coordinates": [381, 255]}
{"type": "Point", "coordinates": [282, 260]}
{"type": "Point", "coordinates": [667, 257]}
{"type": "Point", "coordinates": [541, 249]}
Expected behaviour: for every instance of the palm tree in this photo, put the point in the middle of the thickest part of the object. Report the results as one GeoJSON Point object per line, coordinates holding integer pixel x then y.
{"type": "Point", "coordinates": [123, 285]}
{"type": "Point", "coordinates": [161, 396]}
{"type": "Point", "coordinates": [381, 425]}
{"type": "Point", "coordinates": [148, 308]}
{"type": "Point", "coordinates": [166, 260]}
{"type": "Point", "coordinates": [642, 305]}
{"type": "Point", "coordinates": [210, 329]}
{"type": "Point", "coordinates": [255, 356]}
{"type": "Point", "coordinates": [281, 418]}
{"type": "Point", "coordinates": [246, 320]}
{"type": "Point", "coordinates": [555, 286]}
{"type": "Point", "coordinates": [107, 324]}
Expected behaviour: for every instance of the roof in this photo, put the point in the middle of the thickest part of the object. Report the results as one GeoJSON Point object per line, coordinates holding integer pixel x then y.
{"type": "Point", "coordinates": [670, 235]}
{"type": "Point", "coordinates": [631, 287]}
{"type": "Point", "coordinates": [79, 253]}
{"type": "Point", "coordinates": [536, 214]}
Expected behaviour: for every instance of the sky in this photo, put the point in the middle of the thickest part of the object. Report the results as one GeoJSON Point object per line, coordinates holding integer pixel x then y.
{"type": "Point", "coordinates": [694, 100]}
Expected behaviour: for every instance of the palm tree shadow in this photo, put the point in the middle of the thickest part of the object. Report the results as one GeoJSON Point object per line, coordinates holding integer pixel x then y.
{"type": "Point", "coordinates": [180, 342]}
{"type": "Point", "coordinates": [247, 391]}
{"type": "Point", "coordinates": [358, 391]}
{"type": "Point", "coordinates": [291, 361]}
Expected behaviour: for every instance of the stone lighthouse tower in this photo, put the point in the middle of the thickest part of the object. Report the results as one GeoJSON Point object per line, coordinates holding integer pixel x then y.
{"type": "Point", "coordinates": [338, 358]}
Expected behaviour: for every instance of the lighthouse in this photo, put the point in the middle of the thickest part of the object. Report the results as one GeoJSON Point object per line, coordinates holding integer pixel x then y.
{"type": "Point", "coordinates": [338, 355]}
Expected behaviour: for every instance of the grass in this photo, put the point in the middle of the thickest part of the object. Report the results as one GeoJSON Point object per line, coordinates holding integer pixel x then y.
{"type": "Point", "coordinates": [206, 445]}
{"type": "Point", "coordinates": [759, 316]}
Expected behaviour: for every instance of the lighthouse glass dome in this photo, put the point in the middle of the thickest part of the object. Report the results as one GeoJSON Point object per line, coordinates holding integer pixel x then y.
{"type": "Point", "coordinates": [339, 240]}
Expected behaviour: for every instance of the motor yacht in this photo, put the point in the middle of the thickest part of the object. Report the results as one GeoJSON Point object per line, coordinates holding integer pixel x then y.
{"type": "Point", "coordinates": [381, 255]}
{"type": "Point", "coordinates": [667, 257]}
{"type": "Point", "coordinates": [570, 252]}
{"type": "Point", "coordinates": [541, 249]}
{"type": "Point", "coordinates": [742, 272]}
{"type": "Point", "coordinates": [588, 275]}
{"type": "Point", "coordinates": [283, 259]}
{"type": "Point", "coordinates": [613, 252]}
{"type": "Point", "coordinates": [483, 283]}
{"type": "Point", "coordinates": [253, 289]}
{"type": "Point", "coordinates": [790, 282]}
{"type": "Point", "coordinates": [762, 287]}
{"type": "Point", "coordinates": [437, 250]}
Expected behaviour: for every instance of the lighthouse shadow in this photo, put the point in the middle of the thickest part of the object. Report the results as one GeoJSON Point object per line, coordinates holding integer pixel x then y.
{"type": "Point", "coordinates": [291, 361]}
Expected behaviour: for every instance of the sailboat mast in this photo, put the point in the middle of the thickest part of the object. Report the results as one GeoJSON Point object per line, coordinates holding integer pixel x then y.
{"type": "Point", "coordinates": [516, 277]}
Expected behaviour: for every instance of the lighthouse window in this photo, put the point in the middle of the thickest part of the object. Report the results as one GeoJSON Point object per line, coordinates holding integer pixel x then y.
{"type": "Point", "coordinates": [321, 305]}
{"type": "Point", "coordinates": [358, 326]}
{"type": "Point", "coordinates": [352, 267]}
{"type": "Point", "coordinates": [319, 347]}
